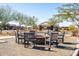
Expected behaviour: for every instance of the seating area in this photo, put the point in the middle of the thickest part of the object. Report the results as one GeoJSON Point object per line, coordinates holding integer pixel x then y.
{"type": "Point", "coordinates": [45, 39]}
{"type": "Point", "coordinates": [11, 48]}
{"type": "Point", "coordinates": [39, 29]}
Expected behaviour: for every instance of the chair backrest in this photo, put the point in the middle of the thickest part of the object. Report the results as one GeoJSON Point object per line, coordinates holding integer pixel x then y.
{"type": "Point", "coordinates": [20, 35]}
{"type": "Point", "coordinates": [61, 35]}
{"type": "Point", "coordinates": [29, 36]}
{"type": "Point", "coordinates": [26, 36]}
{"type": "Point", "coordinates": [54, 36]}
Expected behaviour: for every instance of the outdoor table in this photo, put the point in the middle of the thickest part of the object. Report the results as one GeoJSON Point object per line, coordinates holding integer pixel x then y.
{"type": "Point", "coordinates": [41, 39]}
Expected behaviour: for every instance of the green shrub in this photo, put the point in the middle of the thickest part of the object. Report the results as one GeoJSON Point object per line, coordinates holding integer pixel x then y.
{"type": "Point", "coordinates": [73, 29]}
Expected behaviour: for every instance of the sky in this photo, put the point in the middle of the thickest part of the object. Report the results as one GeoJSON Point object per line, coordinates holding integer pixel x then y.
{"type": "Point", "coordinates": [42, 11]}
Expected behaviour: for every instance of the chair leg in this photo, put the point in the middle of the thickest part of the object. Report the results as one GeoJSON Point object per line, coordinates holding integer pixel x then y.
{"type": "Point", "coordinates": [57, 43]}
{"type": "Point", "coordinates": [16, 38]}
{"type": "Point", "coordinates": [26, 44]}
{"type": "Point", "coordinates": [62, 40]}
{"type": "Point", "coordinates": [21, 40]}
{"type": "Point", "coordinates": [49, 49]}
{"type": "Point", "coordinates": [18, 41]}
{"type": "Point", "coordinates": [49, 46]}
{"type": "Point", "coordinates": [34, 44]}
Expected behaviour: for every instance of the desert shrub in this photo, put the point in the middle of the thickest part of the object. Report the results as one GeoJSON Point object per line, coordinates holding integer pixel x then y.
{"type": "Point", "coordinates": [7, 33]}
{"type": "Point", "coordinates": [73, 29]}
{"type": "Point", "coordinates": [75, 32]}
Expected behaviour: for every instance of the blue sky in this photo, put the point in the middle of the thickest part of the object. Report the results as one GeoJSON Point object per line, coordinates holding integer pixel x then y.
{"type": "Point", "coordinates": [43, 11]}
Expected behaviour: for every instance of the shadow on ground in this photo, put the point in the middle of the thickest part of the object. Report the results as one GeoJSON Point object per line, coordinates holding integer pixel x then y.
{"type": "Point", "coordinates": [43, 49]}
{"type": "Point", "coordinates": [69, 43]}
{"type": "Point", "coordinates": [65, 47]}
{"type": "Point", "coordinates": [62, 46]}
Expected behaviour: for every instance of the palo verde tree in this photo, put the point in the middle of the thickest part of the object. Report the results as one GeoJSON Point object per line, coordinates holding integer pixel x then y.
{"type": "Point", "coordinates": [54, 20]}
{"type": "Point", "coordinates": [69, 12]}
{"type": "Point", "coordinates": [19, 17]}
{"type": "Point", "coordinates": [5, 15]}
{"type": "Point", "coordinates": [31, 21]}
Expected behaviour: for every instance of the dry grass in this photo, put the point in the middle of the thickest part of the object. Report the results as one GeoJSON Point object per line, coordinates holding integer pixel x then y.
{"type": "Point", "coordinates": [7, 33]}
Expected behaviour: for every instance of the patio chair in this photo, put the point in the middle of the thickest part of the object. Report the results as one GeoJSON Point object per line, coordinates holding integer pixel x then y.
{"type": "Point", "coordinates": [29, 37]}
{"type": "Point", "coordinates": [16, 38]}
{"type": "Point", "coordinates": [54, 38]}
{"type": "Point", "coordinates": [19, 37]}
{"type": "Point", "coordinates": [61, 36]}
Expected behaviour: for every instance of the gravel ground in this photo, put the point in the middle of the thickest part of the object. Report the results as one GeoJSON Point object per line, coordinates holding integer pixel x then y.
{"type": "Point", "coordinates": [10, 48]}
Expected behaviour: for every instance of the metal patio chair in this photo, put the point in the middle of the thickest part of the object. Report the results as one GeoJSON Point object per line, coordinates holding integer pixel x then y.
{"type": "Point", "coordinates": [19, 37]}
{"type": "Point", "coordinates": [61, 36]}
{"type": "Point", "coordinates": [54, 38]}
{"type": "Point", "coordinates": [29, 38]}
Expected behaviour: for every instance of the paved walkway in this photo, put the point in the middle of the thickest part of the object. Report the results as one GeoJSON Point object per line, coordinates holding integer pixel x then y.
{"type": "Point", "coordinates": [4, 37]}
{"type": "Point", "coordinates": [11, 48]}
